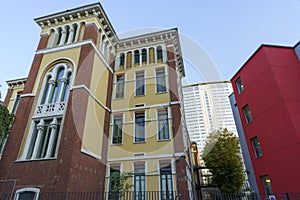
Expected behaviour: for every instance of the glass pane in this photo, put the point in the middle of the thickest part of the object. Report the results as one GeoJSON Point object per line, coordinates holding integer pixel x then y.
{"type": "Point", "coordinates": [26, 196]}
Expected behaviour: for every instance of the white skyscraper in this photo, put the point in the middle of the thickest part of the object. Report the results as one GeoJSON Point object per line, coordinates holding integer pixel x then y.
{"type": "Point", "coordinates": [207, 108]}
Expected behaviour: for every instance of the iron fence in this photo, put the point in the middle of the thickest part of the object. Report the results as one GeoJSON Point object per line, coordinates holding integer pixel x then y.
{"type": "Point", "coordinates": [152, 195]}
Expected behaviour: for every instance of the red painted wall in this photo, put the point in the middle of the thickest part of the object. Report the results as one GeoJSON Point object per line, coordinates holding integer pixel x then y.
{"type": "Point", "coordinates": [271, 89]}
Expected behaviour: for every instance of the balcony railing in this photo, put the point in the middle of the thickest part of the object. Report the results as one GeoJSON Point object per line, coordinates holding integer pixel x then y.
{"type": "Point", "coordinates": [50, 109]}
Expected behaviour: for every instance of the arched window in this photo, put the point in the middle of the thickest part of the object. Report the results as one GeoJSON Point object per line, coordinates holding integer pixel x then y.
{"type": "Point", "coordinates": [129, 60]}
{"type": "Point", "coordinates": [144, 57]}
{"type": "Point", "coordinates": [74, 28]}
{"type": "Point", "coordinates": [122, 61]}
{"type": "Point", "coordinates": [67, 29]}
{"type": "Point", "coordinates": [51, 38]}
{"type": "Point", "coordinates": [58, 36]}
{"type": "Point", "coordinates": [27, 194]}
{"type": "Point", "coordinates": [102, 44]}
{"type": "Point", "coordinates": [151, 56]}
{"type": "Point", "coordinates": [56, 84]}
{"type": "Point", "coordinates": [159, 54]}
{"type": "Point", "coordinates": [136, 58]}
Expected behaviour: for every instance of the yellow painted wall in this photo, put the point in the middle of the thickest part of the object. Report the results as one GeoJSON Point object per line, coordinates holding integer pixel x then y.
{"type": "Point", "coordinates": [48, 58]}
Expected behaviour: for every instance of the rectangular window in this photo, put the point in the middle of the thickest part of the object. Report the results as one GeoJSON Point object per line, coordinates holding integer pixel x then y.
{"type": "Point", "coordinates": [16, 104]}
{"type": "Point", "coordinates": [163, 125]}
{"type": "Point", "coordinates": [256, 147]}
{"type": "Point", "coordinates": [266, 182]}
{"type": "Point", "coordinates": [140, 83]}
{"type": "Point", "coordinates": [44, 139]}
{"type": "Point", "coordinates": [166, 182]}
{"type": "Point", "coordinates": [139, 181]}
{"type": "Point", "coordinates": [160, 81]}
{"type": "Point", "coordinates": [239, 85]}
{"type": "Point", "coordinates": [247, 114]}
{"type": "Point", "coordinates": [120, 86]}
{"type": "Point", "coordinates": [117, 129]}
{"type": "Point", "coordinates": [114, 181]}
{"type": "Point", "coordinates": [139, 127]}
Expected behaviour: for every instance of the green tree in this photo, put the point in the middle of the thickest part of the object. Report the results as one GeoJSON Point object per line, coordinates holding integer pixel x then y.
{"type": "Point", "coordinates": [119, 183]}
{"type": "Point", "coordinates": [5, 121]}
{"type": "Point", "coordinates": [222, 157]}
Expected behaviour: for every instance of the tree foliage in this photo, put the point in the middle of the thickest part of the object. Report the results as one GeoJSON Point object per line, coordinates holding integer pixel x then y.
{"type": "Point", "coordinates": [222, 157]}
{"type": "Point", "coordinates": [5, 121]}
{"type": "Point", "coordinates": [119, 182]}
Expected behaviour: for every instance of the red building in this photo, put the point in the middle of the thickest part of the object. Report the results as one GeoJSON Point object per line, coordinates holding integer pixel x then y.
{"type": "Point", "coordinates": [267, 93]}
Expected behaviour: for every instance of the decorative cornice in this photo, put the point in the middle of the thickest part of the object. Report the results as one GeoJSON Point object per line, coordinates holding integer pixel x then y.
{"type": "Point", "coordinates": [16, 82]}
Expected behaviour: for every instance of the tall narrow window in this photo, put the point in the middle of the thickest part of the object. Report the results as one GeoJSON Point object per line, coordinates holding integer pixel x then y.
{"type": "Point", "coordinates": [139, 127]}
{"type": "Point", "coordinates": [239, 85]}
{"type": "Point", "coordinates": [140, 83]}
{"type": "Point", "coordinates": [144, 57]}
{"type": "Point", "coordinates": [166, 182]}
{"type": "Point", "coordinates": [16, 104]}
{"type": "Point", "coordinates": [139, 181]}
{"type": "Point", "coordinates": [58, 85]}
{"type": "Point", "coordinates": [136, 58]}
{"type": "Point", "coordinates": [66, 87]}
{"type": "Point", "coordinates": [120, 86]}
{"type": "Point", "coordinates": [160, 80]}
{"type": "Point", "coordinates": [114, 181]}
{"type": "Point", "coordinates": [122, 61]}
{"type": "Point", "coordinates": [256, 147]}
{"type": "Point", "coordinates": [247, 114]}
{"type": "Point", "coordinates": [151, 55]}
{"type": "Point", "coordinates": [163, 125]}
{"type": "Point", "coordinates": [129, 60]}
{"type": "Point", "coordinates": [117, 129]}
{"type": "Point", "coordinates": [266, 181]}
{"type": "Point", "coordinates": [46, 90]}
{"type": "Point", "coordinates": [159, 54]}
{"type": "Point", "coordinates": [58, 35]}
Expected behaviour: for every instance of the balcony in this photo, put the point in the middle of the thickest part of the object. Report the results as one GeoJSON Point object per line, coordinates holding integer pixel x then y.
{"type": "Point", "coordinates": [50, 109]}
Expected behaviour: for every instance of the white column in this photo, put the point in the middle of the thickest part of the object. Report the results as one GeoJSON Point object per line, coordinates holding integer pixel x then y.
{"type": "Point", "coordinates": [53, 35]}
{"type": "Point", "coordinates": [164, 54]}
{"type": "Point", "coordinates": [148, 55]}
{"type": "Point", "coordinates": [64, 80]}
{"type": "Point", "coordinates": [53, 133]}
{"type": "Point", "coordinates": [140, 61]}
{"type": "Point", "coordinates": [63, 36]}
{"type": "Point", "coordinates": [155, 55]}
{"type": "Point", "coordinates": [71, 35]}
{"type": "Point", "coordinates": [77, 33]}
{"type": "Point", "coordinates": [40, 128]}
{"type": "Point", "coordinates": [132, 59]}
{"type": "Point", "coordinates": [51, 87]}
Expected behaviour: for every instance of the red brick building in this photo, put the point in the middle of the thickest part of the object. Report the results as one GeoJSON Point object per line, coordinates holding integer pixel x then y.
{"type": "Point", "coordinates": [94, 104]}
{"type": "Point", "coordinates": [267, 94]}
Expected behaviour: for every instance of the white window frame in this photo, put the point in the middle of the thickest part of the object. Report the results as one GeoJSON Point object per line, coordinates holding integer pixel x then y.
{"type": "Point", "coordinates": [155, 72]}
{"type": "Point", "coordinates": [157, 124]}
{"type": "Point", "coordinates": [35, 190]}
{"type": "Point", "coordinates": [145, 132]}
{"type": "Point", "coordinates": [135, 83]}
{"type": "Point", "coordinates": [124, 86]}
{"type": "Point", "coordinates": [113, 128]}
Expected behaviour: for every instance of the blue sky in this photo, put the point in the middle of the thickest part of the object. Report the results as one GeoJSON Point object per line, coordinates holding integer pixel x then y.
{"type": "Point", "coordinates": [226, 33]}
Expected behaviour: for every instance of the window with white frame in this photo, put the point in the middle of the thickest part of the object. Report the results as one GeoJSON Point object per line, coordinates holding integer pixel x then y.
{"type": "Point", "coordinates": [139, 127]}
{"type": "Point", "coordinates": [160, 80]}
{"type": "Point", "coordinates": [56, 86]}
{"type": "Point", "coordinates": [117, 129]}
{"type": "Point", "coordinates": [139, 83]}
{"type": "Point", "coordinates": [44, 139]}
{"type": "Point", "coordinates": [139, 181]}
{"type": "Point", "coordinates": [163, 124]}
{"type": "Point", "coordinates": [166, 183]}
{"type": "Point", "coordinates": [27, 194]}
{"type": "Point", "coordinates": [120, 84]}
{"type": "Point", "coordinates": [159, 54]}
{"type": "Point", "coordinates": [114, 180]}
{"type": "Point", "coordinates": [136, 58]}
{"type": "Point", "coordinates": [122, 61]}
{"type": "Point", "coordinates": [144, 56]}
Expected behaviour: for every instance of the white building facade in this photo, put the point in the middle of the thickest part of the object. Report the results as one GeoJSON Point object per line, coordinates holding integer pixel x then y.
{"type": "Point", "coordinates": [207, 109]}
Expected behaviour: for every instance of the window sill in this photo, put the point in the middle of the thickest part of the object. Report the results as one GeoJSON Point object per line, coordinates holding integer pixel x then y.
{"type": "Point", "coordinates": [164, 140]}
{"type": "Point", "coordinates": [119, 98]}
{"type": "Point", "coordinates": [117, 144]}
{"type": "Point", "coordinates": [157, 93]}
{"type": "Point", "coordinates": [139, 95]}
{"type": "Point", "coordinates": [139, 142]}
{"type": "Point", "coordinates": [38, 159]}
